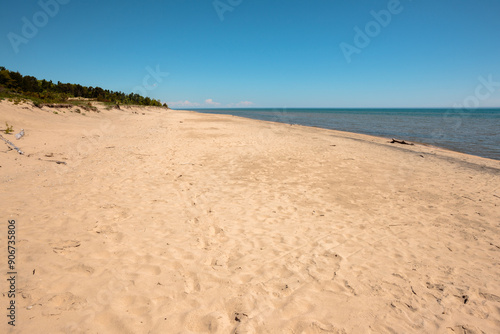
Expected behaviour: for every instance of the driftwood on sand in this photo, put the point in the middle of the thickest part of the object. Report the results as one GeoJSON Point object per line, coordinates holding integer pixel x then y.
{"type": "Point", "coordinates": [400, 142]}
{"type": "Point", "coordinates": [12, 145]}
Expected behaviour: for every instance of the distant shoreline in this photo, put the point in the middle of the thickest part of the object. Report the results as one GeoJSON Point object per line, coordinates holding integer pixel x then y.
{"type": "Point", "coordinates": [443, 135]}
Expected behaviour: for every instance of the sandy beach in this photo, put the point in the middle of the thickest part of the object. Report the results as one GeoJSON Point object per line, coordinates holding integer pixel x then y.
{"type": "Point", "coordinates": [143, 220]}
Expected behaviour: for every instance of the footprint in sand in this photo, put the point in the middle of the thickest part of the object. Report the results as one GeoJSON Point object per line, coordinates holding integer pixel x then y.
{"type": "Point", "coordinates": [55, 304]}
{"type": "Point", "coordinates": [220, 261]}
{"type": "Point", "coordinates": [490, 297]}
{"type": "Point", "coordinates": [313, 326]}
{"type": "Point", "coordinates": [60, 247]}
{"type": "Point", "coordinates": [108, 231]}
{"type": "Point", "coordinates": [81, 269]}
{"type": "Point", "coordinates": [150, 270]}
{"type": "Point", "coordinates": [215, 322]}
{"type": "Point", "coordinates": [191, 283]}
{"type": "Point", "coordinates": [323, 267]}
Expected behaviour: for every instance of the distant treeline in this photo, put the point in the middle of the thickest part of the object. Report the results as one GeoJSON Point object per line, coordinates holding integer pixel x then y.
{"type": "Point", "coordinates": [47, 91]}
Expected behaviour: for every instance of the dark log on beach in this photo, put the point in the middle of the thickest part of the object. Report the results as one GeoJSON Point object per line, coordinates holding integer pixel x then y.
{"type": "Point", "coordinates": [400, 142]}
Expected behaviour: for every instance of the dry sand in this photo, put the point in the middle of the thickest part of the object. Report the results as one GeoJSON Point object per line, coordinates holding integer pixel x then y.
{"type": "Point", "coordinates": [179, 222]}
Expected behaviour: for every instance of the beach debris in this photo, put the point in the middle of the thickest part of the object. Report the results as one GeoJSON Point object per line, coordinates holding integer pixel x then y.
{"type": "Point", "coordinates": [13, 146]}
{"type": "Point", "coordinates": [239, 316]}
{"type": "Point", "coordinates": [400, 142]}
{"type": "Point", "coordinates": [20, 134]}
{"type": "Point", "coordinates": [56, 161]}
{"type": "Point", "coordinates": [494, 245]}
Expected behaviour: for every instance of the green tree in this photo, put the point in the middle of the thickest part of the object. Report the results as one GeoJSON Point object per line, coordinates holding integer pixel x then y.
{"type": "Point", "coordinates": [48, 91]}
{"type": "Point", "coordinates": [30, 84]}
{"type": "Point", "coordinates": [5, 79]}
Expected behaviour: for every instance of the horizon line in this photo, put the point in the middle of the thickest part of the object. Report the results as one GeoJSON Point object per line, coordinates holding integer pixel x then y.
{"type": "Point", "coordinates": [351, 108]}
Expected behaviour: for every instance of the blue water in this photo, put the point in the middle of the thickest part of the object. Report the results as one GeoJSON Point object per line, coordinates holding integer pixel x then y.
{"type": "Point", "coordinates": [474, 132]}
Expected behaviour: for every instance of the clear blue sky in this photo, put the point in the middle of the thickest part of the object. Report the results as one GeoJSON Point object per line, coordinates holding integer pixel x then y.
{"type": "Point", "coordinates": [283, 53]}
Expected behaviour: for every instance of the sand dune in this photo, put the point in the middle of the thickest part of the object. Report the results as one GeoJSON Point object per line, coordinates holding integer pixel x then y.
{"type": "Point", "coordinates": [178, 222]}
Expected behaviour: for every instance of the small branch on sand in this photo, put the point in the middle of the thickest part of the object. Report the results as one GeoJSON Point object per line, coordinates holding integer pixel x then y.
{"type": "Point", "coordinates": [400, 142]}
{"type": "Point", "coordinates": [13, 146]}
{"type": "Point", "coordinates": [56, 161]}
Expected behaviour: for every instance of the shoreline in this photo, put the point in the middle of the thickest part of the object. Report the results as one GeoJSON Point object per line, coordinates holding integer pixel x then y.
{"type": "Point", "coordinates": [177, 221]}
{"type": "Point", "coordinates": [454, 149]}
{"type": "Point", "coordinates": [367, 138]}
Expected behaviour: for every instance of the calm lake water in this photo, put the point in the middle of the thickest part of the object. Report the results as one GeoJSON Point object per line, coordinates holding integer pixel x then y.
{"type": "Point", "coordinates": [474, 132]}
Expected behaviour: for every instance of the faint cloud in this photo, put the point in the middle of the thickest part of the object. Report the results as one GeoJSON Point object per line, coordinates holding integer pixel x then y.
{"type": "Point", "coordinates": [185, 103]}
{"type": "Point", "coordinates": [211, 102]}
{"type": "Point", "coordinates": [241, 104]}
{"type": "Point", "coordinates": [244, 104]}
